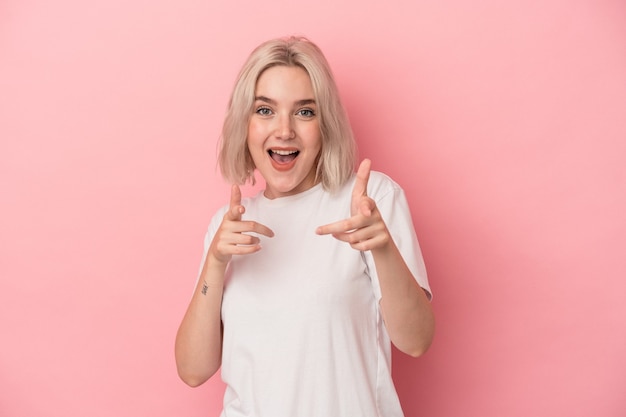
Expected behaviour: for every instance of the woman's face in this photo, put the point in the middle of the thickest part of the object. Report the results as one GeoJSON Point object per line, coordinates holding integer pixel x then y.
{"type": "Point", "coordinates": [284, 136]}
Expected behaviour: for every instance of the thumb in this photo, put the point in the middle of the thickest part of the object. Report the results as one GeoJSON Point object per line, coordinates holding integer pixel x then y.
{"type": "Point", "coordinates": [360, 184]}
{"type": "Point", "coordinates": [235, 208]}
{"type": "Point", "coordinates": [366, 206]}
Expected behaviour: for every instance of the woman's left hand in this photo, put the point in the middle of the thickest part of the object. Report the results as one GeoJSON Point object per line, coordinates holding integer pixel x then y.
{"type": "Point", "coordinates": [365, 228]}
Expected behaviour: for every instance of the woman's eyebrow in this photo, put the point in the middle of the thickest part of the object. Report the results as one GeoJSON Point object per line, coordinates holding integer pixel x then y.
{"type": "Point", "coordinates": [305, 102]}
{"type": "Point", "coordinates": [273, 102]}
{"type": "Point", "coordinates": [265, 99]}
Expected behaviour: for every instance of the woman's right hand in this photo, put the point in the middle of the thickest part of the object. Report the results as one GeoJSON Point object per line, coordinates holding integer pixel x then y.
{"type": "Point", "coordinates": [232, 236]}
{"type": "Point", "coordinates": [198, 346]}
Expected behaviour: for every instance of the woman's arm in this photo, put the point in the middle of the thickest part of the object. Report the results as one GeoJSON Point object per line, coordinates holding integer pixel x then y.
{"type": "Point", "coordinates": [198, 347]}
{"type": "Point", "coordinates": [405, 307]}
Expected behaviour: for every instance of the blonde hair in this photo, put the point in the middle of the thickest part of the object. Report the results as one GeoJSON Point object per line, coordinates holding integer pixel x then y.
{"type": "Point", "coordinates": [338, 154]}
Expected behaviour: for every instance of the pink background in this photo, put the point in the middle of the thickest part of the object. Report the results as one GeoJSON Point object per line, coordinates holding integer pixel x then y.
{"type": "Point", "coordinates": [504, 121]}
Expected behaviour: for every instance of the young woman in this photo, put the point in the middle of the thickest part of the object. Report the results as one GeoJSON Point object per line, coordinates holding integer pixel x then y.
{"type": "Point", "coordinates": [305, 286]}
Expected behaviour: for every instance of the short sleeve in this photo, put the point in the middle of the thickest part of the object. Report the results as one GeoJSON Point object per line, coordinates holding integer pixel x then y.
{"type": "Point", "coordinates": [394, 208]}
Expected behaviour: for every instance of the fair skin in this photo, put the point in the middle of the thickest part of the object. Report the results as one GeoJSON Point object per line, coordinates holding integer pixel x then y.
{"type": "Point", "coordinates": [284, 136]}
{"type": "Point", "coordinates": [284, 141]}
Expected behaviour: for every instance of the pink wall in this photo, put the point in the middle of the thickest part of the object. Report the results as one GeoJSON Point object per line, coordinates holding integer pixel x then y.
{"type": "Point", "coordinates": [504, 121]}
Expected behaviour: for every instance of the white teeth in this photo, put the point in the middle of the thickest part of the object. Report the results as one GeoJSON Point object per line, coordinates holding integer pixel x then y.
{"type": "Point", "coordinates": [280, 152]}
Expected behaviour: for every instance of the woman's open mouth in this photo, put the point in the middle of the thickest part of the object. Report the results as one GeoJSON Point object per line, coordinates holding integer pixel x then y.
{"type": "Point", "coordinates": [283, 159]}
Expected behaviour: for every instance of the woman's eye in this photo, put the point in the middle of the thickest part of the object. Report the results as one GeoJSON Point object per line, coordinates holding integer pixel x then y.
{"type": "Point", "coordinates": [306, 113]}
{"type": "Point", "coordinates": [263, 111]}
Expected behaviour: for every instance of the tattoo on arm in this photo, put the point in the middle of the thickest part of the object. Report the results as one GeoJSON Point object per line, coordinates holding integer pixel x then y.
{"type": "Point", "coordinates": [205, 287]}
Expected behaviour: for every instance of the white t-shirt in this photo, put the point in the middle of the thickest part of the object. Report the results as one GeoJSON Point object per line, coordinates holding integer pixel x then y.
{"type": "Point", "coordinates": [303, 332]}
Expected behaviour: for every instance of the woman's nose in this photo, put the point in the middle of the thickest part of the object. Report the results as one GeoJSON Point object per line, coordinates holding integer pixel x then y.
{"type": "Point", "coordinates": [284, 129]}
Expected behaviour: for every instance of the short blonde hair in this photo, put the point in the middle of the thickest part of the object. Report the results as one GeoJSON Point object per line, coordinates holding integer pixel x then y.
{"type": "Point", "coordinates": [338, 154]}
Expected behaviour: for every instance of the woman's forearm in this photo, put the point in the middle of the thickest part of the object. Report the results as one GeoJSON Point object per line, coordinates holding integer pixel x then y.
{"type": "Point", "coordinates": [198, 348]}
{"type": "Point", "coordinates": [406, 309]}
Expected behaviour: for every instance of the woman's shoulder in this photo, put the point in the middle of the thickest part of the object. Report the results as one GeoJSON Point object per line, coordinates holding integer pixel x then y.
{"type": "Point", "coordinates": [380, 183]}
